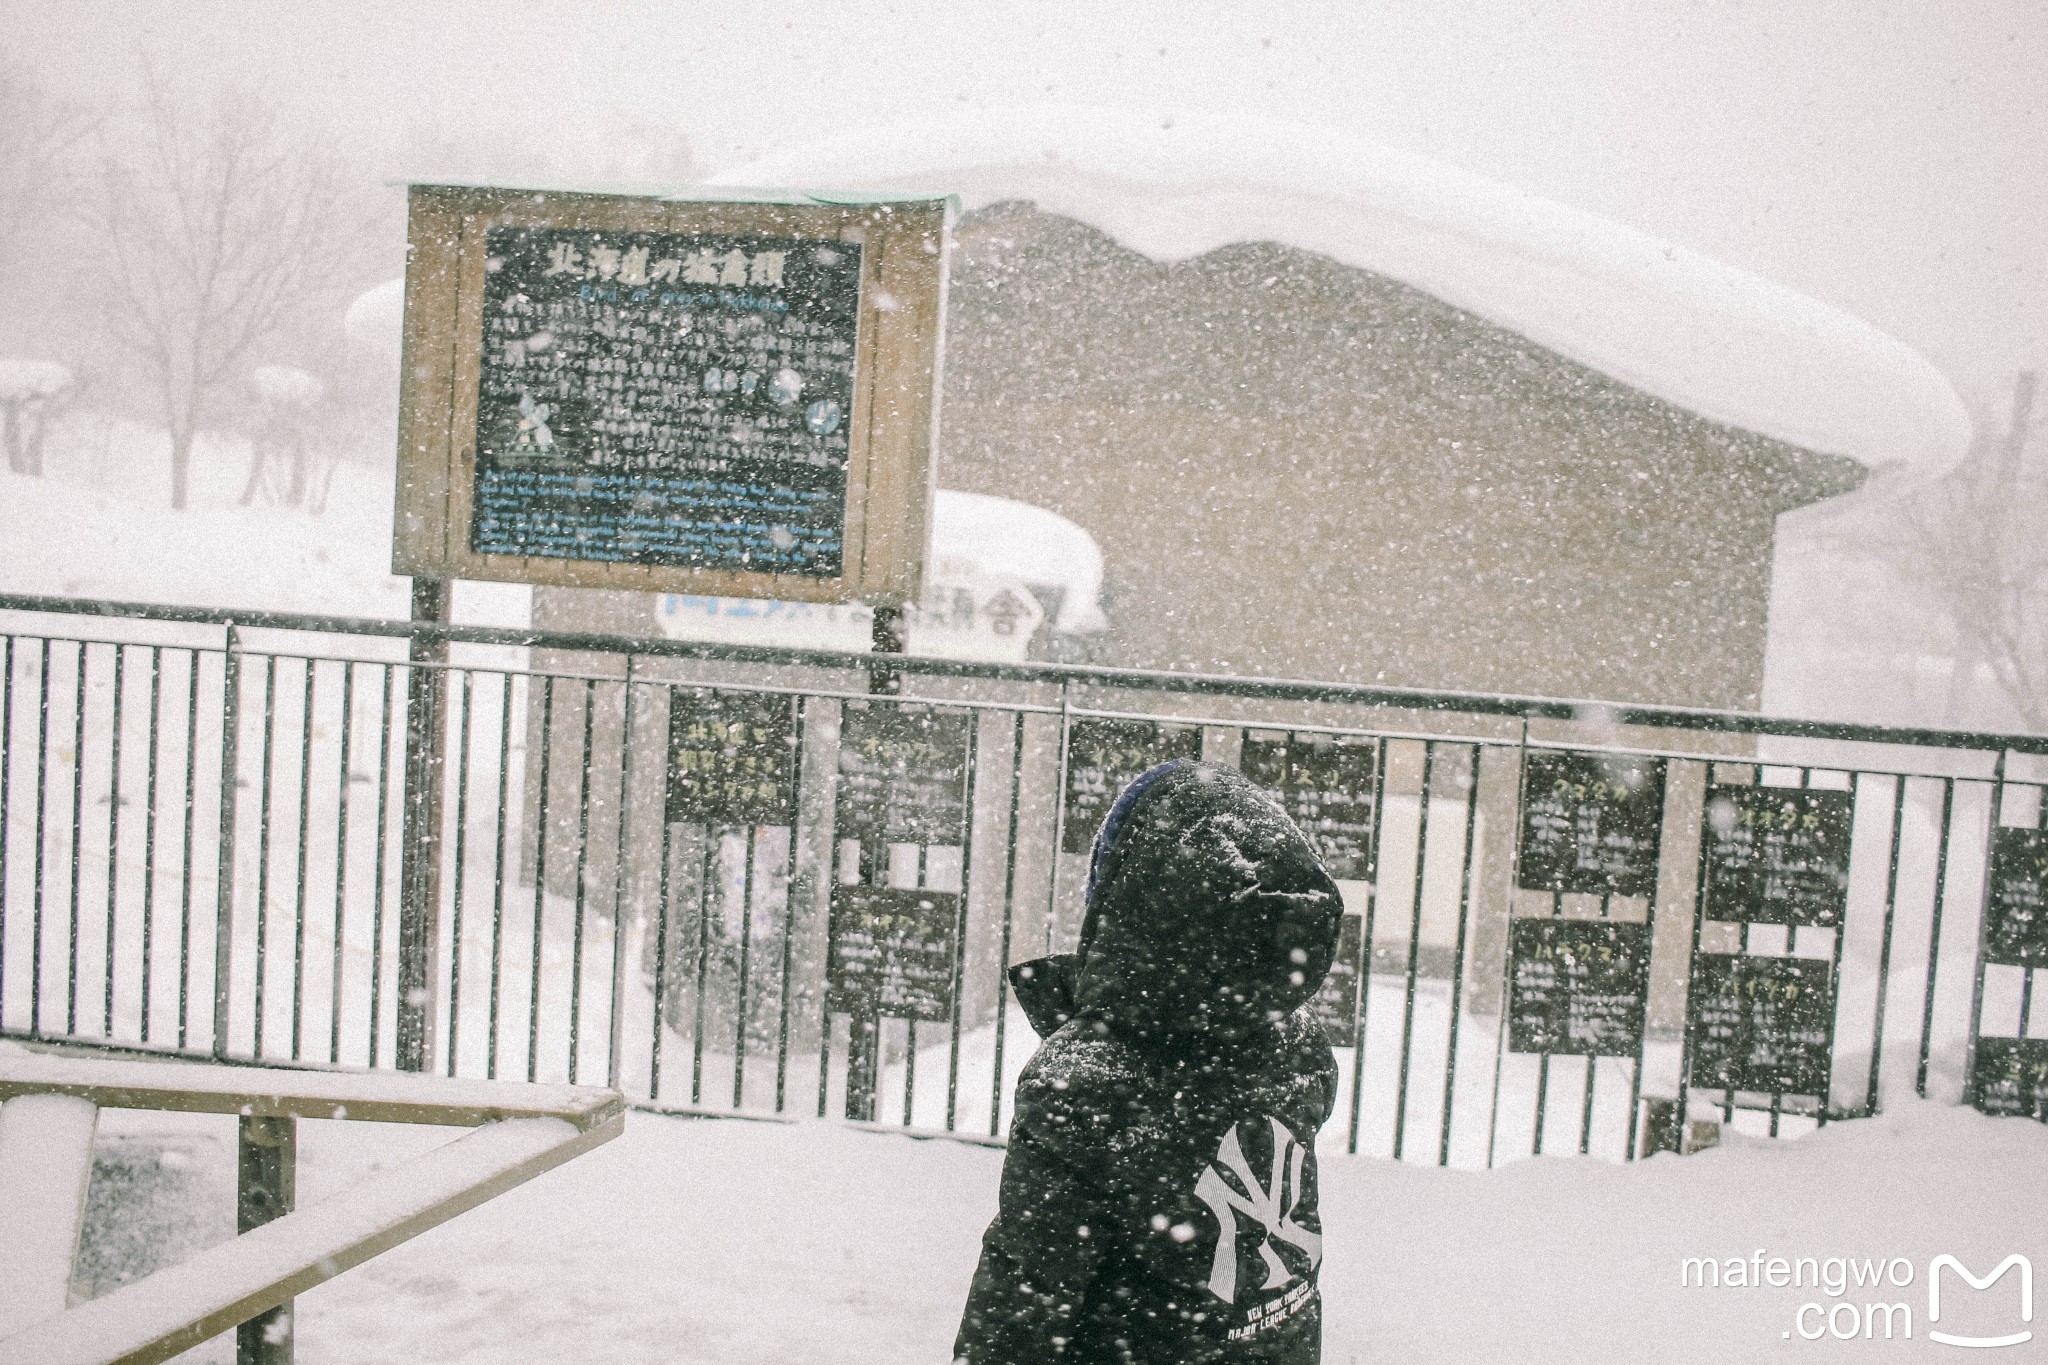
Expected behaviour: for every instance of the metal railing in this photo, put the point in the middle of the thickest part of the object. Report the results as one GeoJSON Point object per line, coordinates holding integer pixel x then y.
{"type": "Point", "coordinates": [744, 880]}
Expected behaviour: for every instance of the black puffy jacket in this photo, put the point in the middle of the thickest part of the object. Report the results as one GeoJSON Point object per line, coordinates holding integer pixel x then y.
{"type": "Point", "coordinates": [1159, 1193]}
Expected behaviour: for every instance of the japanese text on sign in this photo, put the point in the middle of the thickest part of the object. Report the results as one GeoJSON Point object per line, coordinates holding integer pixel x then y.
{"type": "Point", "coordinates": [1578, 987]}
{"type": "Point", "coordinates": [1763, 1024]}
{"type": "Point", "coordinates": [1102, 758]}
{"type": "Point", "coordinates": [1591, 823]}
{"type": "Point", "coordinates": [666, 399]}
{"type": "Point", "coordinates": [2011, 1076]}
{"type": "Point", "coordinates": [1777, 856]}
{"type": "Point", "coordinates": [2016, 913]}
{"type": "Point", "coordinates": [890, 952]}
{"type": "Point", "coordinates": [902, 775]}
{"type": "Point", "coordinates": [1335, 1003]}
{"type": "Point", "coordinates": [1327, 787]}
{"type": "Point", "coordinates": [732, 758]}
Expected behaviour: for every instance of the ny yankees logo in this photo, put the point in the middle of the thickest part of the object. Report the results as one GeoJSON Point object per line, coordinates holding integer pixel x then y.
{"type": "Point", "coordinates": [1271, 1202]}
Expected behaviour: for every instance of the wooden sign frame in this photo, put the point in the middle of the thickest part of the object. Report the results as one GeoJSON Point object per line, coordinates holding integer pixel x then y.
{"type": "Point", "coordinates": [891, 425]}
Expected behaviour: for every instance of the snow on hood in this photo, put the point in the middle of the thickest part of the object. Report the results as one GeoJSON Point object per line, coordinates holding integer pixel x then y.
{"type": "Point", "coordinates": [1705, 336]}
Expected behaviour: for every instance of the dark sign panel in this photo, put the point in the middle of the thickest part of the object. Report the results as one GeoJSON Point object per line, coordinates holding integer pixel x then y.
{"type": "Point", "coordinates": [1326, 785]}
{"type": "Point", "coordinates": [902, 775]}
{"type": "Point", "coordinates": [666, 399]}
{"type": "Point", "coordinates": [2011, 1076]}
{"type": "Point", "coordinates": [1764, 1024]}
{"type": "Point", "coordinates": [890, 952]}
{"type": "Point", "coordinates": [2016, 914]}
{"type": "Point", "coordinates": [731, 758]}
{"type": "Point", "coordinates": [1102, 758]}
{"type": "Point", "coordinates": [1591, 823]}
{"type": "Point", "coordinates": [1577, 987]}
{"type": "Point", "coordinates": [1335, 1003]}
{"type": "Point", "coordinates": [1777, 856]}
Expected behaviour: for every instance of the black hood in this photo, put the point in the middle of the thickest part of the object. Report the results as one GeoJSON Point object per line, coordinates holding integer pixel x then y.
{"type": "Point", "coordinates": [1208, 914]}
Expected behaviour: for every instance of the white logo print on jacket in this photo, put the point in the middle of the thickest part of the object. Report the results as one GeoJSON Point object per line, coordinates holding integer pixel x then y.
{"type": "Point", "coordinates": [1270, 1202]}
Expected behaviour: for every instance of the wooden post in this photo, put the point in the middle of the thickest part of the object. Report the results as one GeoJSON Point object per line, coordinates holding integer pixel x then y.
{"type": "Point", "coordinates": [266, 1187]}
{"type": "Point", "coordinates": [419, 907]}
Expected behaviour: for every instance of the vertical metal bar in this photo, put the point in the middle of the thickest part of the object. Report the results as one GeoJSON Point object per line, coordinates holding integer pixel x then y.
{"type": "Point", "coordinates": [263, 841]}
{"type": "Point", "coordinates": [910, 1022]}
{"type": "Point", "coordinates": [419, 859]}
{"type": "Point", "coordinates": [710, 860]}
{"type": "Point", "coordinates": [1542, 1103]}
{"type": "Point", "coordinates": [1884, 952]}
{"type": "Point", "coordinates": [35, 959]}
{"type": "Point", "coordinates": [739, 1026]}
{"type": "Point", "coordinates": [498, 871]}
{"type": "Point", "coordinates": [148, 816]}
{"type": "Point", "coordinates": [1458, 963]}
{"type": "Point", "coordinates": [1592, 1062]}
{"type": "Point", "coordinates": [1983, 909]}
{"type": "Point", "coordinates": [1681, 1117]}
{"type": "Point", "coordinates": [113, 832]}
{"type": "Point", "coordinates": [1948, 802]}
{"type": "Point", "coordinates": [796, 786]}
{"type": "Point", "coordinates": [77, 832]}
{"type": "Point", "coordinates": [299, 863]}
{"type": "Point", "coordinates": [383, 863]}
{"type": "Point", "coordinates": [191, 810]}
{"type": "Point", "coordinates": [582, 877]}
{"type": "Point", "coordinates": [7, 824]}
{"type": "Point", "coordinates": [266, 1188]}
{"type": "Point", "coordinates": [1414, 943]}
{"type": "Point", "coordinates": [224, 886]}
{"type": "Point", "coordinates": [1059, 811]}
{"type": "Point", "coordinates": [662, 909]}
{"type": "Point", "coordinates": [616, 1044]}
{"type": "Point", "coordinates": [995, 1097]}
{"type": "Point", "coordinates": [344, 779]}
{"type": "Point", "coordinates": [540, 869]}
{"type": "Point", "coordinates": [1372, 899]}
{"type": "Point", "coordinates": [960, 919]}
{"type": "Point", "coordinates": [461, 870]}
{"type": "Point", "coordinates": [1835, 970]}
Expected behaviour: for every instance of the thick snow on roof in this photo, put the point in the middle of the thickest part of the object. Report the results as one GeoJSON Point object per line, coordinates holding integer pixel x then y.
{"type": "Point", "coordinates": [23, 379]}
{"type": "Point", "coordinates": [1003, 538]}
{"type": "Point", "coordinates": [1710, 338]}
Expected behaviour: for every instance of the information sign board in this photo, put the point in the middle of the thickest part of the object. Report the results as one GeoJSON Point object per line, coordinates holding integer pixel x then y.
{"type": "Point", "coordinates": [709, 397]}
{"type": "Point", "coordinates": [1591, 823]}
{"type": "Point", "coordinates": [1326, 785]}
{"type": "Point", "coordinates": [1577, 987]}
{"type": "Point", "coordinates": [890, 952]}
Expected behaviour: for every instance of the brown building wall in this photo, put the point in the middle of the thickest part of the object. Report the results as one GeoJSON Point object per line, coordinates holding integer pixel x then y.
{"type": "Point", "coordinates": [1298, 468]}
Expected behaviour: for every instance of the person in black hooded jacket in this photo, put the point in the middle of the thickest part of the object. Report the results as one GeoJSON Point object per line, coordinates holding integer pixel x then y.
{"type": "Point", "coordinates": [1158, 1200]}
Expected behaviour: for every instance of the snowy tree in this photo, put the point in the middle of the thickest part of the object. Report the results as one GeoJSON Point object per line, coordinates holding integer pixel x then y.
{"type": "Point", "coordinates": [41, 137]}
{"type": "Point", "coordinates": [1974, 541]}
{"type": "Point", "coordinates": [223, 231]}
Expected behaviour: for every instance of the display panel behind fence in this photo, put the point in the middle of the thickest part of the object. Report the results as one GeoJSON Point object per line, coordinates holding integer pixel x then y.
{"type": "Point", "coordinates": [891, 952]}
{"type": "Point", "coordinates": [1578, 987]}
{"type": "Point", "coordinates": [2010, 1076]}
{"type": "Point", "coordinates": [1777, 855]}
{"type": "Point", "coordinates": [1762, 1024]}
{"type": "Point", "coordinates": [1591, 823]}
{"type": "Point", "coordinates": [1327, 785]}
{"type": "Point", "coordinates": [2016, 910]}
{"type": "Point", "coordinates": [1335, 1003]}
{"type": "Point", "coordinates": [732, 757]}
{"type": "Point", "coordinates": [1103, 756]}
{"type": "Point", "coordinates": [902, 774]}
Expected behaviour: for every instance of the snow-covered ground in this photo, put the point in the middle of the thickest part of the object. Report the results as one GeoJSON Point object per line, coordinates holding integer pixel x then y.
{"type": "Point", "coordinates": [733, 1241]}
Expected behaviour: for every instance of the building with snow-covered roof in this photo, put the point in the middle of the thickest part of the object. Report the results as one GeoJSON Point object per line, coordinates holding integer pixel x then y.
{"type": "Point", "coordinates": [1334, 411]}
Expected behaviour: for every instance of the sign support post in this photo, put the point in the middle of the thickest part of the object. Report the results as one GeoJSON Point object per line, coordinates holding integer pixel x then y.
{"type": "Point", "coordinates": [419, 904]}
{"type": "Point", "coordinates": [864, 1025]}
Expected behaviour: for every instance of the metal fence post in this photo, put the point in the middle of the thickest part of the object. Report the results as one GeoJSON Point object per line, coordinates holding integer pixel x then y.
{"type": "Point", "coordinates": [419, 876]}
{"type": "Point", "coordinates": [266, 1187]}
{"type": "Point", "coordinates": [224, 897]}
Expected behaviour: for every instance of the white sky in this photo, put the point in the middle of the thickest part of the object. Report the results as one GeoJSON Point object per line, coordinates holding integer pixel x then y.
{"type": "Point", "coordinates": [1889, 159]}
